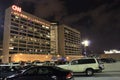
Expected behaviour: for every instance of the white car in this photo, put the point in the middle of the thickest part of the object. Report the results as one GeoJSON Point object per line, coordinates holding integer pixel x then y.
{"type": "Point", "coordinates": [84, 65]}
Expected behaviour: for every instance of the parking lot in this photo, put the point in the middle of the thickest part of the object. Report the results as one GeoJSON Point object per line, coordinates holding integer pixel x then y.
{"type": "Point", "coordinates": [111, 72]}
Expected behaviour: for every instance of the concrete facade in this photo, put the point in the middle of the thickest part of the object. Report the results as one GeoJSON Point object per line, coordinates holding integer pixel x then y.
{"type": "Point", "coordinates": [69, 41]}
{"type": "Point", "coordinates": [25, 33]}
{"type": "Point", "coordinates": [28, 38]}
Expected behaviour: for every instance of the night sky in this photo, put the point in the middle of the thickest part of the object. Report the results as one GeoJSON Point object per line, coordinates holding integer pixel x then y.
{"type": "Point", "coordinates": [97, 20]}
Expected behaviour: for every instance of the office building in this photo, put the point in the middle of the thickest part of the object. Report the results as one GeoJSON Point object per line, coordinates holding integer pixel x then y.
{"type": "Point", "coordinates": [26, 37]}
{"type": "Point", "coordinates": [69, 42]}
{"type": "Point", "coordinates": [29, 38]}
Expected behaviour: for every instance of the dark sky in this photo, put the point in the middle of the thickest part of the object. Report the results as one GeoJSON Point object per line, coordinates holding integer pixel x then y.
{"type": "Point", "coordinates": [97, 20]}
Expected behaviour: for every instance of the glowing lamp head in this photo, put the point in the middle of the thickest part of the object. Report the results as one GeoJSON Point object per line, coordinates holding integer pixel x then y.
{"type": "Point", "coordinates": [86, 43]}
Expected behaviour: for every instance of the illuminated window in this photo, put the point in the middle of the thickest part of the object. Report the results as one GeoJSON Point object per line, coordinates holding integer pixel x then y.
{"type": "Point", "coordinates": [66, 31]}
{"type": "Point", "coordinates": [34, 39]}
{"type": "Point", "coordinates": [48, 36]}
{"type": "Point", "coordinates": [22, 26]}
{"type": "Point", "coordinates": [41, 35]}
{"type": "Point", "coordinates": [11, 39]}
{"type": "Point", "coordinates": [35, 29]}
{"type": "Point", "coordinates": [47, 27]}
{"type": "Point", "coordinates": [30, 28]}
{"type": "Point", "coordinates": [36, 50]}
{"type": "Point", "coordinates": [43, 26]}
{"type": "Point", "coordinates": [16, 17]}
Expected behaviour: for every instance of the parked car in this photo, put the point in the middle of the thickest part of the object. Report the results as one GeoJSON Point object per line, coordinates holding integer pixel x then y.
{"type": "Point", "coordinates": [49, 63]}
{"type": "Point", "coordinates": [108, 60]}
{"type": "Point", "coordinates": [101, 65]}
{"type": "Point", "coordinates": [43, 73]}
{"type": "Point", "coordinates": [59, 62]}
{"type": "Point", "coordinates": [84, 65]}
{"type": "Point", "coordinates": [7, 70]}
{"type": "Point", "coordinates": [37, 63]}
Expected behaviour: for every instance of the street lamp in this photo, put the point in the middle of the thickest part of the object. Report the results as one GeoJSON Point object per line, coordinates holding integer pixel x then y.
{"type": "Point", "coordinates": [85, 43]}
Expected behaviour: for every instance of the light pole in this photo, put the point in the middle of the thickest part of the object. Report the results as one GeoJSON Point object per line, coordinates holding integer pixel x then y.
{"type": "Point", "coordinates": [85, 43]}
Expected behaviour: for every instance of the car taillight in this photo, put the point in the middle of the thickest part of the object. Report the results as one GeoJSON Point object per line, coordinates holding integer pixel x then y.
{"type": "Point", "coordinates": [69, 75]}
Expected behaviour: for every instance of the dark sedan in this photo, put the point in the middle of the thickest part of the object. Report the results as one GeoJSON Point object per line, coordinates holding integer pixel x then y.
{"type": "Point", "coordinates": [43, 73]}
{"type": "Point", "coordinates": [7, 70]}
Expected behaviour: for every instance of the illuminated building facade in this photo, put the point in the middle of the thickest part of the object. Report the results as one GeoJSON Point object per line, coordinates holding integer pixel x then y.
{"type": "Point", "coordinates": [26, 34]}
{"type": "Point", "coordinates": [29, 38]}
{"type": "Point", "coordinates": [68, 41]}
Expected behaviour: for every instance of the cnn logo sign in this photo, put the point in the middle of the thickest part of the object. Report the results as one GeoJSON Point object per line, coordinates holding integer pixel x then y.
{"type": "Point", "coordinates": [16, 8]}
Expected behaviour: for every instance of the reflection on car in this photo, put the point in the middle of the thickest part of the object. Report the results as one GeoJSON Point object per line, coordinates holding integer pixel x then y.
{"type": "Point", "coordinates": [43, 73]}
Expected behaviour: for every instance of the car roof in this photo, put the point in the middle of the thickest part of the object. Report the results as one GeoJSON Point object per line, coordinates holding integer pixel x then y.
{"type": "Point", "coordinates": [84, 58]}
{"type": "Point", "coordinates": [44, 66]}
